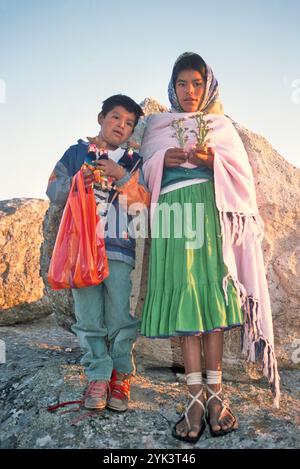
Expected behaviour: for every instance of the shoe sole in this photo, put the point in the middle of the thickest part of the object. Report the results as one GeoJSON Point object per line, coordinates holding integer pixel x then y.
{"type": "Point", "coordinates": [102, 407]}
{"type": "Point", "coordinates": [114, 409]}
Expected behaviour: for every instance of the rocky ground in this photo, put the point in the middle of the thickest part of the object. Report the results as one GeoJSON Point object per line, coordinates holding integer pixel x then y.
{"type": "Point", "coordinates": [42, 368]}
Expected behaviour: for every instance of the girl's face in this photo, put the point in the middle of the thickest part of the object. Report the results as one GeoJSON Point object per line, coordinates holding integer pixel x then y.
{"type": "Point", "coordinates": [190, 88]}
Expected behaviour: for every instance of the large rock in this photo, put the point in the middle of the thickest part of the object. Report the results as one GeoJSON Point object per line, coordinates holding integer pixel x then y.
{"type": "Point", "coordinates": [277, 184]}
{"type": "Point", "coordinates": [150, 106]}
{"type": "Point", "coordinates": [21, 286]}
{"type": "Point", "coordinates": [278, 197]}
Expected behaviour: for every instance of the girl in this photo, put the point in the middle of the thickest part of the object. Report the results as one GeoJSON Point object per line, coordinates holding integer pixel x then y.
{"type": "Point", "coordinates": [206, 270]}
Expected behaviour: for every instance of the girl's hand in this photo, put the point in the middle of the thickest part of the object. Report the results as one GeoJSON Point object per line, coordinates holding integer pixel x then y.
{"type": "Point", "coordinates": [175, 157]}
{"type": "Point", "coordinates": [203, 157]}
{"type": "Point", "coordinates": [110, 168]}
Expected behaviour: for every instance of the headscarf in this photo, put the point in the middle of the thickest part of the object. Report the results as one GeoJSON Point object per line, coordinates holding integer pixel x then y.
{"type": "Point", "coordinates": [211, 103]}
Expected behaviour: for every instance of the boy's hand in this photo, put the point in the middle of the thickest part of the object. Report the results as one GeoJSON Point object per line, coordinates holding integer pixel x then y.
{"type": "Point", "coordinates": [88, 177]}
{"type": "Point", "coordinates": [203, 157]}
{"type": "Point", "coordinates": [175, 157]}
{"type": "Point", "coordinates": [110, 168]}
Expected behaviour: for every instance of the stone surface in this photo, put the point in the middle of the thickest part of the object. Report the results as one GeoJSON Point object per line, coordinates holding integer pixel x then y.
{"type": "Point", "coordinates": [21, 286]}
{"type": "Point", "coordinates": [151, 105]}
{"type": "Point", "coordinates": [278, 197]}
{"type": "Point", "coordinates": [42, 368]}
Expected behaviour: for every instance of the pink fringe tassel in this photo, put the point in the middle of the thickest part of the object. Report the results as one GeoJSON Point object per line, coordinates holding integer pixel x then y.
{"type": "Point", "coordinates": [256, 346]}
{"type": "Point", "coordinates": [234, 226]}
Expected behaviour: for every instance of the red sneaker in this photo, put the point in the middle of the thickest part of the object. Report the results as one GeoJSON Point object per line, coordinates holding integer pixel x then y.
{"type": "Point", "coordinates": [96, 395]}
{"type": "Point", "coordinates": [119, 392]}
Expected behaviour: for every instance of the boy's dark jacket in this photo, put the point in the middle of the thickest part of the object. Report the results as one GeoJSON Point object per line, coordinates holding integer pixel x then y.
{"type": "Point", "coordinates": [119, 241]}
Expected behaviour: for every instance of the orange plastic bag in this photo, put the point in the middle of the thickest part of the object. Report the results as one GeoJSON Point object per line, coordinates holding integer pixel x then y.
{"type": "Point", "coordinates": [79, 258]}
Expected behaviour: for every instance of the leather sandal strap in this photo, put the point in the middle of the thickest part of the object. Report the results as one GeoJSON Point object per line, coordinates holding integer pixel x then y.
{"type": "Point", "coordinates": [227, 409]}
{"type": "Point", "coordinates": [193, 378]}
{"type": "Point", "coordinates": [194, 399]}
{"type": "Point", "coordinates": [213, 376]}
{"type": "Point", "coordinates": [224, 403]}
{"type": "Point", "coordinates": [213, 395]}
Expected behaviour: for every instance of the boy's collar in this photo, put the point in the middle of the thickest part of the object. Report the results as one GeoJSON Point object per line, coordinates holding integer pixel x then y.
{"type": "Point", "coordinates": [125, 155]}
{"type": "Point", "coordinates": [82, 142]}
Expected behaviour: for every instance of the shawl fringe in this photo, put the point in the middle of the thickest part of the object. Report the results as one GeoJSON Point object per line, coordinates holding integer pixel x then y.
{"type": "Point", "coordinates": [254, 344]}
{"type": "Point", "coordinates": [258, 347]}
{"type": "Point", "coordinates": [235, 225]}
{"type": "Point", "coordinates": [241, 291]}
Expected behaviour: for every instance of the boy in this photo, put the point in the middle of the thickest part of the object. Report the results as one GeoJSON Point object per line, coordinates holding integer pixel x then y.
{"type": "Point", "coordinates": [104, 327]}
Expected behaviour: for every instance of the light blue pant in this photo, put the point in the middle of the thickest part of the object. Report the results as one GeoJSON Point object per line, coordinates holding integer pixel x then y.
{"type": "Point", "coordinates": [104, 327]}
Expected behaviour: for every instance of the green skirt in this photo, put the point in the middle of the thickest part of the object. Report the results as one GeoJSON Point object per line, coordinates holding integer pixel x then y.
{"type": "Point", "coordinates": [185, 293]}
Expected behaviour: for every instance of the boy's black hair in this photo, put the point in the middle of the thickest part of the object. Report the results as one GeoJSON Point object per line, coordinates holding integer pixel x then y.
{"type": "Point", "coordinates": [122, 100]}
{"type": "Point", "coordinates": [190, 62]}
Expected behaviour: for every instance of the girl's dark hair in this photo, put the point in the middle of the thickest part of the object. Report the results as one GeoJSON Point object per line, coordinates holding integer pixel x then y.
{"type": "Point", "coordinates": [122, 100]}
{"type": "Point", "coordinates": [189, 62]}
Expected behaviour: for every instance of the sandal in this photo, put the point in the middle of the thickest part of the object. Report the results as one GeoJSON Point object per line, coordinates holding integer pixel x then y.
{"type": "Point", "coordinates": [191, 378]}
{"type": "Point", "coordinates": [215, 377]}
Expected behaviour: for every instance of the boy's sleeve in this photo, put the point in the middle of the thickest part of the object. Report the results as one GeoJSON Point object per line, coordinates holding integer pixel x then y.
{"type": "Point", "coordinates": [59, 183]}
{"type": "Point", "coordinates": [134, 188]}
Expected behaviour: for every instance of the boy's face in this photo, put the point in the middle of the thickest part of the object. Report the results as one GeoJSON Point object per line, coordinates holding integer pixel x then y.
{"type": "Point", "coordinates": [116, 127]}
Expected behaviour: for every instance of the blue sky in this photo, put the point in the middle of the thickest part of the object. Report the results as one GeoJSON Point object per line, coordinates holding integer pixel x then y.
{"type": "Point", "coordinates": [60, 59]}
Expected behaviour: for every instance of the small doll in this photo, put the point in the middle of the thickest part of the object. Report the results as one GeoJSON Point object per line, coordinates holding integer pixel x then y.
{"type": "Point", "coordinates": [96, 151]}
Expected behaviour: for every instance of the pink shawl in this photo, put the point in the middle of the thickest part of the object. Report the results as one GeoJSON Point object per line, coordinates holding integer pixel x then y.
{"type": "Point", "coordinates": [241, 225]}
